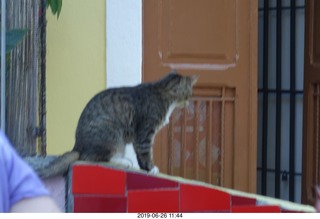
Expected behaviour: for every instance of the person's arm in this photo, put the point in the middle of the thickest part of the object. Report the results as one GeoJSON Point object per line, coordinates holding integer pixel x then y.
{"type": "Point", "coordinates": [43, 204]}
{"type": "Point", "coordinates": [20, 187]}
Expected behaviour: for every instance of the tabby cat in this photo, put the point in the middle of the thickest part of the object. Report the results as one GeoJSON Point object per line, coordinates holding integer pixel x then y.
{"type": "Point", "coordinates": [117, 117]}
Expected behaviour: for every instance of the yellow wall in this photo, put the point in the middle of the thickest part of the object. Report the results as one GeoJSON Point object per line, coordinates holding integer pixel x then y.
{"type": "Point", "coordinates": [76, 54]}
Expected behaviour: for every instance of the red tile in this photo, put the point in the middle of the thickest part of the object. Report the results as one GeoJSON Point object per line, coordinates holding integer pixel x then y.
{"type": "Point", "coordinates": [238, 200]}
{"type": "Point", "coordinates": [100, 204]}
{"type": "Point", "coordinates": [144, 181]}
{"type": "Point", "coordinates": [202, 199]}
{"type": "Point", "coordinates": [93, 179]}
{"type": "Point", "coordinates": [153, 200]}
{"type": "Point", "coordinates": [256, 209]}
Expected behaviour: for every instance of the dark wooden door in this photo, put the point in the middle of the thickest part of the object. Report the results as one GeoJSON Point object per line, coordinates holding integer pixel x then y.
{"type": "Point", "coordinates": [311, 106]}
{"type": "Point", "coordinates": [214, 139]}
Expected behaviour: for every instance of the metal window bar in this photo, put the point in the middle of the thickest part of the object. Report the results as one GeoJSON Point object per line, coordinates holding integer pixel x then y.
{"type": "Point", "coordinates": [278, 98]}
{"type": "Point", "coordinates": [292, 99]}
{"type": "Point", "coordinates": [278, 91]}
{"type": "Point", "coordinates": [265, 96]}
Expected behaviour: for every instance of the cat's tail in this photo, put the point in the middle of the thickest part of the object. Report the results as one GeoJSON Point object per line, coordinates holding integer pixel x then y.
{"type": "Point", "coordinates": [59, 165]}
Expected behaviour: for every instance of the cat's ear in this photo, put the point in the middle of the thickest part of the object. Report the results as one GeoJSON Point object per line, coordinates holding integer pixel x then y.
{"type": "Point", "coordinates": [194, 79]}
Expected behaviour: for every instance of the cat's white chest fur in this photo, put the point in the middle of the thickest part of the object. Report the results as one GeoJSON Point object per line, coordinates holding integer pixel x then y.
{"type": "Point", "coordinates": [167, 117]}
{"type": "Point", "coordinates": [169, 112]}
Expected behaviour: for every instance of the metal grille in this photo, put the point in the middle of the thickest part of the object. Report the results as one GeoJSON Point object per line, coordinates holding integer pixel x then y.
{"type": "Point", "coordinates": [197, 139]}
{"type": "Point", "coordinates": [281, 41]}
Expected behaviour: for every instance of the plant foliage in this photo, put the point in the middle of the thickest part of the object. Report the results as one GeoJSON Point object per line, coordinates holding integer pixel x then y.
{"type": "Point", "coordinates": [13, 37]}
{"type": "Point", "coordinates": [56, 6]}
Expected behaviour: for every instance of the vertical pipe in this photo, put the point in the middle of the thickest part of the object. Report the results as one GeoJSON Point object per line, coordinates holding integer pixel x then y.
{"type": "Point", "coordinates": [292, 98]}
{"type": "Point", "coordinates": [265, 97]}
{"type": "Point", "coordinates": [278, 99]}
{"type": "Point", "coordinates": [3, 65]}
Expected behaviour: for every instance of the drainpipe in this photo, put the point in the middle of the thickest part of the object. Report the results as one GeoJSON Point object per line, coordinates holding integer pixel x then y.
{"type": "Point", "coordinates": [3, 66]}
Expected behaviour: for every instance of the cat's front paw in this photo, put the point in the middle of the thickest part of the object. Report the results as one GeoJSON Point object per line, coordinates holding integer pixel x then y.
{"type": "Point", "coordinates": [154, 170]}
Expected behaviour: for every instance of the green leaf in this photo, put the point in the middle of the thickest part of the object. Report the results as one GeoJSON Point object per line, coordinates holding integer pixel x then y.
{"type": "Point", "coordinates": [48, 3]}
{"type": "Point", "coordinates": [13, 37]}
{"type": "Point", "coordinates": [59, 7]}
{"type": "Point", "coordinates": [56, 6]}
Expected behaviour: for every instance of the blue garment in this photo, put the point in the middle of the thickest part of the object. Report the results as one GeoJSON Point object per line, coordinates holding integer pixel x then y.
{"type": "Point", "coordinates": [17, 180]}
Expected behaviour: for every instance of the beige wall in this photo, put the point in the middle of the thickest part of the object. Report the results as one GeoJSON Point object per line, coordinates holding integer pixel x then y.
{"type": "Point", "coordinates": [76, 54]}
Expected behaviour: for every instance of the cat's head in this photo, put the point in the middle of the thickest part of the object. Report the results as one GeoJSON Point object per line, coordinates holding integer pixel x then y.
{"type": "Point", "coordinates": [179, 87]}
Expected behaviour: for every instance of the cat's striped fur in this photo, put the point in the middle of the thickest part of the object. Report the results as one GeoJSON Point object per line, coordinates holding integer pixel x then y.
{"type": "Point", "coordinates": [127, 115]}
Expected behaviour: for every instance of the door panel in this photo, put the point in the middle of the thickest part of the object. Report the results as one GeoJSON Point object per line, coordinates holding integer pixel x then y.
{"type": "Point", "coordinates": [189, 44]}
{"type": "Point", "coordinates": [311, 112]}
{"type": "Point", "coordinates": [214, 138]}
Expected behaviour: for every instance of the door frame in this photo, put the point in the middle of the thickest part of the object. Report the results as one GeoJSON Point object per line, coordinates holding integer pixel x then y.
{"type": "Point", "coordinates": [311, 108]}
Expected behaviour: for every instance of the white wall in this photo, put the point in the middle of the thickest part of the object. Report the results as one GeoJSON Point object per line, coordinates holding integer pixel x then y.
{"type": "Point", "coordinates": [124, 42]}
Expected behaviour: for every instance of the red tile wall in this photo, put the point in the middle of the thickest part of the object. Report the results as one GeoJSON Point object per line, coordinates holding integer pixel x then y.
{"type": "Point", "coordinates": [144, 181]}
{"type": "Point", "coordinates": [153, 200]}
{"type": "Point", "coordinates": [238, 200]}
{"type": "Point", "coordinates": [100, 204]}
{"type": "Point", "coordinates": [90, 179]}
{"type": "Point", "coordinates": [96, 188]}
{"type": "Point", "coordinates": [201, 199]}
